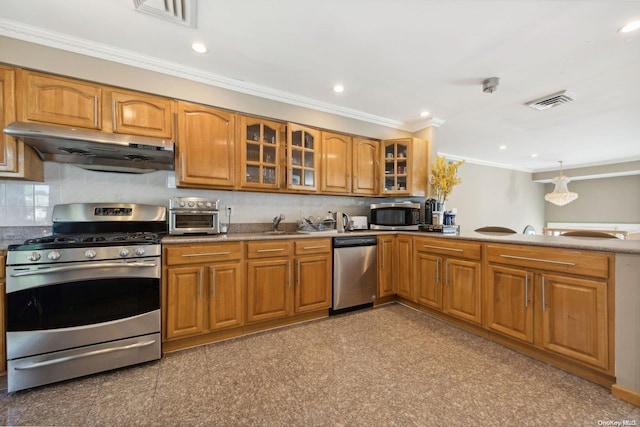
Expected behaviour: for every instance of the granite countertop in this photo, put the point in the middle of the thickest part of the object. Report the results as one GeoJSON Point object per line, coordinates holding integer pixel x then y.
{"type": "Point", "coordinates": [581, 243]}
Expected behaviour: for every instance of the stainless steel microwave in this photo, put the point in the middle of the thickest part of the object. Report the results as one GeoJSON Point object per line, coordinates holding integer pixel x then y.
{"type": "Point", "coordinates": [395, 216]}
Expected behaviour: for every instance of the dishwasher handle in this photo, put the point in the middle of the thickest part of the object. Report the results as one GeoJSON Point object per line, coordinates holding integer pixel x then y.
{"type": "Point", "coordinates": [353, 241]}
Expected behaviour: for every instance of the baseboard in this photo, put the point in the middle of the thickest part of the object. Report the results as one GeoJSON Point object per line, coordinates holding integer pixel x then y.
{"type": "Point", "coordinates": [625, 394]}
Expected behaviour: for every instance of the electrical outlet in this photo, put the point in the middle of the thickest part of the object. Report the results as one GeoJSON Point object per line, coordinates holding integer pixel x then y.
{"type": "Point", "coordinates": [229, 210]}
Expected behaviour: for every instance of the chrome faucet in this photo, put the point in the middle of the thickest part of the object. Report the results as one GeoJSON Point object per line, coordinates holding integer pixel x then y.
{"type": "Point", "coordinates": [276, 221]}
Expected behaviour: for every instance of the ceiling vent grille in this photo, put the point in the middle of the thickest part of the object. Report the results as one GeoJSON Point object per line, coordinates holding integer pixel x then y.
{"type": "Point", "coordinates": [178, 11]}
{"type": "Point", "coordinates": [551, 101]}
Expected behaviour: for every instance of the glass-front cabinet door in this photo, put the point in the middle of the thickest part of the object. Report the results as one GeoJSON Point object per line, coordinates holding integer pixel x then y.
{"type": "Point", "coordinates": [396, 166]}
{"type": "Point", "coordinates": [302, 157]}
{"type": "Point", "coordinates": [261, 144]}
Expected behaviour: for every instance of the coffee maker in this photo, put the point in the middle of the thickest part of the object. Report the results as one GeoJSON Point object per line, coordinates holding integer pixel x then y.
{"type": "Point", "coordinates": [430, 205]}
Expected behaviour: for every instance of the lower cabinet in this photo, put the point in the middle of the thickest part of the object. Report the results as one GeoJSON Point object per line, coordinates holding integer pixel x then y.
{"type": "Point", "coordinates": [404, 256]}
{"type": "Point", "coordinates": [285, 278]}
{"type": "Point", "coordinates": [203, 289]}
{"type": "Point", "coordinates": [386, 268]}
{"type": "Point", "coordinates": [3, 347]}
{"type": "Point", "coordinates": [557, 300]}
{"type": "Point", "coordinates": [448, 277]}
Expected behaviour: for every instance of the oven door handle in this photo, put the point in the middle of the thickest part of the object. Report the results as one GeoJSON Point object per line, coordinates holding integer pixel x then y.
{"type": "Point", "coordinates": [80, 356]}
{"type": "Point", "coordinates": [85, 266]}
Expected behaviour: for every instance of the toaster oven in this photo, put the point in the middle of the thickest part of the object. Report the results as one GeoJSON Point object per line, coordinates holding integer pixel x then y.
{"type": "Point", "coordinates": [193, 215]}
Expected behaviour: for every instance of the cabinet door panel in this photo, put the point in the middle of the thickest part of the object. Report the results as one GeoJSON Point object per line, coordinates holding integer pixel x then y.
{"type": "Point", "coordinates": [303, 158]}
{"type": "Point", "coordinates": [268, 293]}
{"type": "Point", "coordinates": [336, 163]}
{"type": "Point", "coordinates": [206, 142]}
{"type": "Point", "coordinates": [574, 318]}
{"type": "Point", "coordinates": [428, 277]}
{"type": "Point", "coordinates": [510, 302]}
{"type": "Point", "coordinates": [57, 100]}
{"type": "Point", "coordinates": [404, 255]}
{"type": "Point", "coordinates": [225, 296]}
{"type": "Point", "coordinates": [313, 283]}
{"type": "Point", "coordinates": [365, 166]}
{"type": "Point", "coordinates": [139, 114]}
{"type": "Point", "coordinates": [185, 309]}
{"type": "Point", "coordinates": [385, 266]}
{"type": "Point", "coordinates": [463, 297]}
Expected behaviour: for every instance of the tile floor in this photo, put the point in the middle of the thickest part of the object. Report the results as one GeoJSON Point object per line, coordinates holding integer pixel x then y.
{"type": "Point", "coordinates": [389, 366]}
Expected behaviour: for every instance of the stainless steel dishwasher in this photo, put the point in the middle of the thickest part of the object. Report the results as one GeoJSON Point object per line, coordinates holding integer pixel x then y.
{"type": "Point", "coordinates": [354, 272]}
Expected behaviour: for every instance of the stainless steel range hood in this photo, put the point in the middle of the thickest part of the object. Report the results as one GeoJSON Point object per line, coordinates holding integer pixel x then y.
{"type": "Point", "coordinates": [95, 150]}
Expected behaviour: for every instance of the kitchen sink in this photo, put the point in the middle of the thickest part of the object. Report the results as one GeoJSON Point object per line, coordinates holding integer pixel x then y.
{"type": "Point", "coordinates": [284, 233]}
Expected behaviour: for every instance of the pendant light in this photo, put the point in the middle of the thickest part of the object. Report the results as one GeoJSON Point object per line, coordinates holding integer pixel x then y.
{"type": "Point", "coordinates": [561, 194]}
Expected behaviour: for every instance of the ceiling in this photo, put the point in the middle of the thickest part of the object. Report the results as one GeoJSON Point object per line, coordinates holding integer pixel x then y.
{"type": "Point", "coordinates": [395, 59]}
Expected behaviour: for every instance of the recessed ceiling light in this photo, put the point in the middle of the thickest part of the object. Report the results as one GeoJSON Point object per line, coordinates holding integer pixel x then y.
{"type": "Point", "coordinates": [503, 147]}
{"type": "Point", "coordinates": [199, 47]}
{"type": "Point", "coordinates": [534, 155]}
{"type": "Point", "coordinates": [424, 114]}
{"type": "Point", "coordinates": [631, 26]}
{"type": "Point", "coordinates": [338, 88]}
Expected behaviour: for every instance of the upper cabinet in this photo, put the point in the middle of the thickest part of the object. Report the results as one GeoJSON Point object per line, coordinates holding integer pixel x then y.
{"type": "Point", "coordinates": [336, 163]}
{"type": "Point", "coordinates": [17, 161]}
{"type": "Point", "coordinates": [260, 153]}
{"type": "Point", "coordinates": [58, 100]}
{"type": "Point", "coordinates": [205, 147]}
{"type": "Point", "coordinates": [134, 113]}
{"type": "Point", "coordinates": [303, 158]}
{"type": "Point", "coordinates": [405, 166]}
{"type": "Point", "coordinates": [366, 155]}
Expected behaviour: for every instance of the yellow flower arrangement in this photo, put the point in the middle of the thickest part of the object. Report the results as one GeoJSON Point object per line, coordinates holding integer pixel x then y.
{"type": "Point", "coordinates": [443, 178]}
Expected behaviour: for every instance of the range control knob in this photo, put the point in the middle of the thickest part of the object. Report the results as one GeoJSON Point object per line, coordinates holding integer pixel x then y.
{"type": "Point", "coordinates": [191, 204]}
{"type": "Point", "coordinates": [199, 204]}
{"type": "Point", "coordinates": [208, 204]}
{"type": "Point", "coordinates": [182, 203]}
{"type": "Point", "coordinates": [90, 253]}
{"type": "Point", "coordinates": [53, 255]}
{"type": "Point", "coordinates": [124, 252]}
{"type": "Point", "coordinates": [139, 251]}
{"type": "Point", "coordinates": [35, 256]}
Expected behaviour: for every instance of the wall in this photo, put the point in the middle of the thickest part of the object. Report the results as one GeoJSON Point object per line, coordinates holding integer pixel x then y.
{"type": "Point", "coordinates": [496, 196]}
{"type": "Point", "coordinates": [608, 200]}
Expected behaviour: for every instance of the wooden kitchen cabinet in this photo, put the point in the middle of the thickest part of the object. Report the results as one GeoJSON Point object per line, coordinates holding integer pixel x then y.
{"type": "Point", "coordinates": [366, 165]}
{"type": "Point", "coordinates": [17, 161]}
{"type": "Point", "coordinates": [203, 289]}
{"type": "Point", "coordinates": [448, 275]}
{"type": "Point", "coordinates": [302, 158]}
{"type": "Point", "coordinates": [260, 153]}
{"type": "Point", "coordinates": [556, 299]}
{"type": "Point", "coordinates": [405, 167]}
{"type": "Point", "coordinates": [405, 286]}
{"type": "Point", "coordinates": [313, 276]}
{"type": "Point", "coordinates": [336, 163]}
{"type": "Point", "coordinates": [58, 100]}
{"type": "Point", "coordinates": [269, 280]}
{"type": "Point", "coordinates": [205, 147]}
{"type": "Point", "coordinates": [386, 271]}
{"type": "Point", "coordinates": [135, 113]}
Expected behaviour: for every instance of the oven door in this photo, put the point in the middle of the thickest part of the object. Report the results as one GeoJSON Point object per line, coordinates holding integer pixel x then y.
{"type": "Point", "coordinates": [193, 222]}
{"type": "Point", "coordinates": [57, 307]}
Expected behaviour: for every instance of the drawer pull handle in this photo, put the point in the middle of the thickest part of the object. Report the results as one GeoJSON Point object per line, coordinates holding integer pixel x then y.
{"type": "Point", "coordinates": [270, 250]}
{"type": "Point", "coordinates": [549, 261]}
{"type": "Point", "coordinates": [306, 248]}
{"type": "Point", "coordinates": [444, 249]}
{"type": "Point", "coordinates": [207, 254]}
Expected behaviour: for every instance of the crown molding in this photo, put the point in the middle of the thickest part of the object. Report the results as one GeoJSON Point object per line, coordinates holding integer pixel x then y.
{"type": "Point", "coordinates": [57, 40]}
{"type": "Point", "coordinates": [484, 163]}
{"type": "Point", "coordinates": [432, 122]}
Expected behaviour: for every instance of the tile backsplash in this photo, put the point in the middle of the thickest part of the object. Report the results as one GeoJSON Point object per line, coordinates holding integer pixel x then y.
{"type": "Point", "coordinates": [31, 204]}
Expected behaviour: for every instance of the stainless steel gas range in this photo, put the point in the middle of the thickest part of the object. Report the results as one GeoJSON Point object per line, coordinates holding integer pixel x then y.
{"type": "Point", "coordinates": [87, 298]}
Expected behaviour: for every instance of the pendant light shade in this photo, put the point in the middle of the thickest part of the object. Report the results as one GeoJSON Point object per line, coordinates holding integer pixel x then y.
{"type": "Point", "coordinates": [561, 195]}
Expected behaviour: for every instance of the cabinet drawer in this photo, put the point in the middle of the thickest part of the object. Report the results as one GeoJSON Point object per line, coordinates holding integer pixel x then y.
{"type": "Point", "coordinates": [454, 248]}
{"type": "Point", "coordinates": [202, 253]}
{"type": "Point", "coordinates": [584, 263]}
{"type": "Point", "coordinates": [312, 246]}
{"type": "Point", "coordinates": [269, 249]}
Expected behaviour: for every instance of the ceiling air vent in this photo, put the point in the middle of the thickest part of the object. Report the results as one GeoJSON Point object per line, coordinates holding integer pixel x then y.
{"type": "Point", "coordinates": [552, 100]}
{"type": "Point", "coordinates": [178, 11]}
